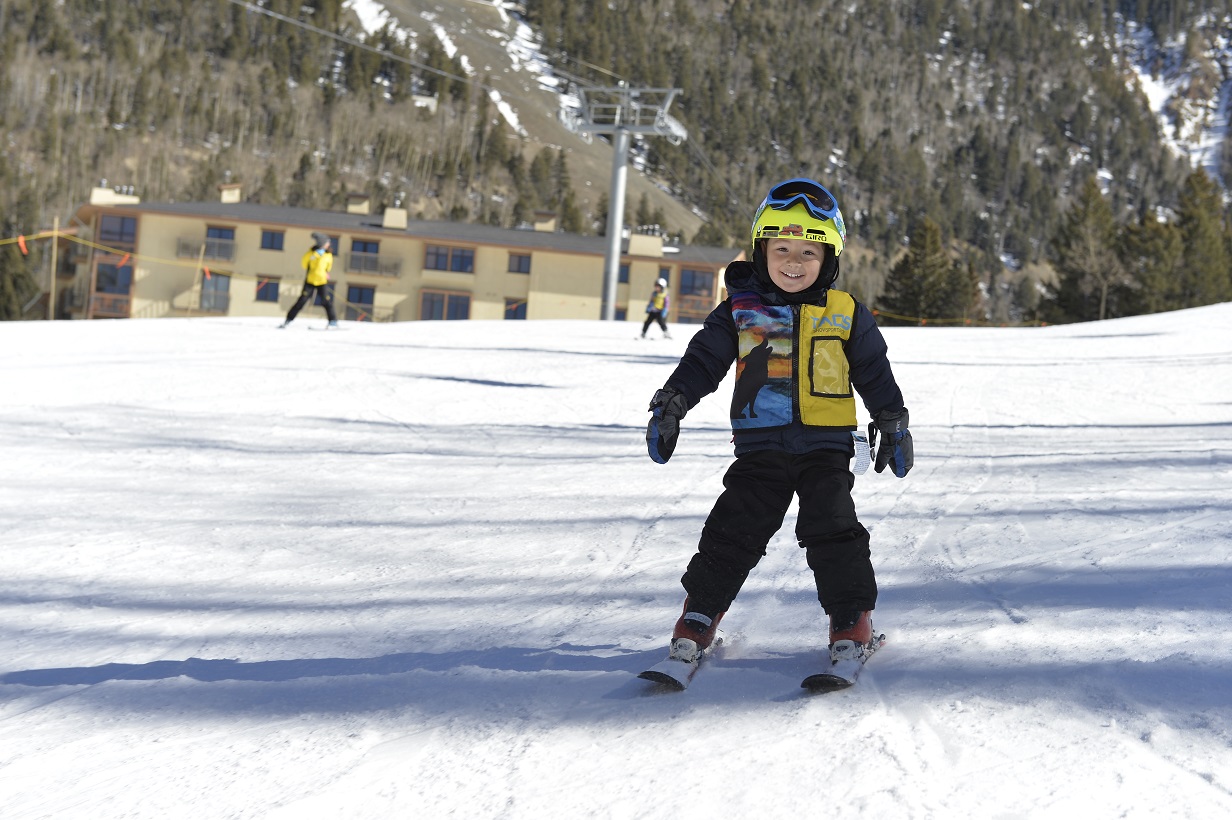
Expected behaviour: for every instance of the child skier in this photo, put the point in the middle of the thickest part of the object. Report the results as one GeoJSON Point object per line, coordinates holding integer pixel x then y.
{"type": "Point", "coordinates": [800, 348]}
{"type": "Point", "coordinates": [656, 309]}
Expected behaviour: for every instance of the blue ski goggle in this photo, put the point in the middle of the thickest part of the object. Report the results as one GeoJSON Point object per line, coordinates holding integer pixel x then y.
{"type": "Point", "coordinates": [800, 191]}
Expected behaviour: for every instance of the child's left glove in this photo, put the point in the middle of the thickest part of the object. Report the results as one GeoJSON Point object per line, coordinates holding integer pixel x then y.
{"type": "Point", "coordinates": [668, 407]}
{"type": "Point", "coordinates": [896, 449]}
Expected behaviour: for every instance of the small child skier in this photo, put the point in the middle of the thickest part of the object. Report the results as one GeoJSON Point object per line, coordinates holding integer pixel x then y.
{"type": "Point", "coordinates": [800, 348]}
{"type": "Point", "coordinates": [656, 309]}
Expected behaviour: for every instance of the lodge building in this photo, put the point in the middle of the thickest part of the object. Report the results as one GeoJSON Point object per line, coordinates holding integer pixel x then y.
{"type": "Point", "coordinates": [234, 258]}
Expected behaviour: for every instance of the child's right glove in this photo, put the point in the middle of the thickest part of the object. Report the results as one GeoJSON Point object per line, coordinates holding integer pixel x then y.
{"type": "Point", "coordinates": [668, 407]}
{"type": "Point", "coordinates": [896, 448]}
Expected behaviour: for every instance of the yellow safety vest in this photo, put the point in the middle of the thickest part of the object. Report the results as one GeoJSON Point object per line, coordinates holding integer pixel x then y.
{"type": "Point", "coordinates": [791, 364]}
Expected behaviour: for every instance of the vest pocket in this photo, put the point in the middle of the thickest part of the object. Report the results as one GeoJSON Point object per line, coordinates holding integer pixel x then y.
{"type": "Point", "coordinates": [828, 375]}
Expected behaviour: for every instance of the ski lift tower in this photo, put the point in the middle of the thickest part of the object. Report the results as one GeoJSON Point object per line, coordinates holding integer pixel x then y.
{"type": "Point", "coordinates": [621, 111]}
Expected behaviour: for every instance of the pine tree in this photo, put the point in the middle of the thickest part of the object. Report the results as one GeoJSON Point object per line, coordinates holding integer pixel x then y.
{"type": "Point", "coordinates": [918, 286]}
{"type": "Point", "coordinates": [17, 283]}
{"type": "Point", "coordinates": [1084, 255]}
{"type": "Point", "coordinates": [1151, 252]}
{"type": "Point", "coordinates": [269, 194]}
{"type": "Point", "coordinates": [962, 290]}
{"type": "Point", "coordinates": [1204, 275]}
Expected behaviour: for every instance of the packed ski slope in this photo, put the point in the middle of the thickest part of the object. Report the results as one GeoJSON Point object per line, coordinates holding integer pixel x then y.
{"type": "Point", "coordinates": [411, 571]}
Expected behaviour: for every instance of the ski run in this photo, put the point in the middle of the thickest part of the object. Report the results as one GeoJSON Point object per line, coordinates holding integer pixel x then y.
{"type": "Point", "coordinates": [413, 570]}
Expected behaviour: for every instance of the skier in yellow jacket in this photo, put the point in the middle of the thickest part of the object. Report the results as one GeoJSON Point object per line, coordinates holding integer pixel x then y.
{"type": "Point", "coordinates": [317, 263]}
{"type": "Point", "coordinates": [656, 309]}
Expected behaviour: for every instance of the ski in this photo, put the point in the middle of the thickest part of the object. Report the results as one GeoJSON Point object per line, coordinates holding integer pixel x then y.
{"type": "Point", "coordinates": [676, 675]}
{"type": "Point", "coordinates": [845, 670]}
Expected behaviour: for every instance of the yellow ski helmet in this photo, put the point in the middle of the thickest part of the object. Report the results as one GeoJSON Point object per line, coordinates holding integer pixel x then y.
{"type": "Point", "coordinates": [800, 208]}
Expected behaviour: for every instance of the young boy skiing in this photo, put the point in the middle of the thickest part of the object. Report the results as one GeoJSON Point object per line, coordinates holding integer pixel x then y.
{"type": "Point", "coordinates": [656, 309]}
{"type": "Point", "coordinates": [800, 348]}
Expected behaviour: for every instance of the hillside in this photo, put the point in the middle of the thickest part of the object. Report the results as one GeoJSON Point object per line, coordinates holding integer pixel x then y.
{"type": "Point", "coordinates": [411, 570]}
{"type": "Point", "coordinates": [984, 117]}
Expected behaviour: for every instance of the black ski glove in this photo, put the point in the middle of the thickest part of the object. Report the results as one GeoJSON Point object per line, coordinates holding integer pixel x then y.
{"type": "Point", "coordinates": [668, 406]}
{"type": "Point", "coordinates": [896, 448]}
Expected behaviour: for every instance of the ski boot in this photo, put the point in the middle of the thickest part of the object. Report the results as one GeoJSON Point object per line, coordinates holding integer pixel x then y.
{"type": "Point", "coordinates": [693, 634]}
{"type": "Point", "coordinates": [851, 636]}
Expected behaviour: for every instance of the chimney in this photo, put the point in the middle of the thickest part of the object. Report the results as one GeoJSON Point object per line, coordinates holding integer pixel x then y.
{"type": "Point", "coordinates": [359, 204]}
{"type": "Point", "coordinates": [645, 244]}
{"type": "Point", "coordinates": [394, 218]}
{"type": "Point", "coordinates": [120, 195]}
{"type": "Point", "coordinates": [545, 221]}
{"type": "Point", "coordinates": [230, 193]}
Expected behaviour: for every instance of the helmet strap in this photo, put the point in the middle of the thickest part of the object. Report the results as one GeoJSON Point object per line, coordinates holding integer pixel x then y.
{"type": "Point", "coordinates": [829, 269]}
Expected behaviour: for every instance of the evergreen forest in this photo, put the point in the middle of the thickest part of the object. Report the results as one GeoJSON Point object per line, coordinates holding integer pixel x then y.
{"type": "Point", "coordinates": [994, 161]}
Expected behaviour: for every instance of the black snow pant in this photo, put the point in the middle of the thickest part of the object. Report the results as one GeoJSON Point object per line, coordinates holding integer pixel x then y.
{"type": "Point", "coordinates": [758, 491]}
{"type": "Point", "coordinates": [654, 316]}
{"type": "Point", "coordinates": [308, 292]}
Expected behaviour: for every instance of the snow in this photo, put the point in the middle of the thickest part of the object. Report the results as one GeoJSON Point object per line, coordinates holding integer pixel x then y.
{"type": "Point", "coordinates": [1193, 129]}
{"type": "Point", "coordinates": [372, 15]}
{"type": "Point", "coordinates": [413, 569]}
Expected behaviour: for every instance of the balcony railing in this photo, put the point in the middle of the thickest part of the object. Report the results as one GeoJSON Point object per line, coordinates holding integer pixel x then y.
{"type": "Point", "coordinates": [692, 305]}
{"type": "Point", "coordinates": [358, 312]}
{"type": "Point", "coordinates": [215, 249]}
{"type": "Point", "coordinates": [111, 306]}
{"type": "Point", "coordinates": [377, 264]}
{"type": "Point", "coordinates": [215, 302]}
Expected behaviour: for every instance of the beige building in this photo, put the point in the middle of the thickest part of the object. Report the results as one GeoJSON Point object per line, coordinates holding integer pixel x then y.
{"type": "Point", "coordinates": [232, 258]}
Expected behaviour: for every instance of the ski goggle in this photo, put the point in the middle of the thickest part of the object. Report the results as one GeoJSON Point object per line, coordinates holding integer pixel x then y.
{"type": "Point", "coordinates": [800, 191]}
{"type": "Point", "coordinates": [811, 212]}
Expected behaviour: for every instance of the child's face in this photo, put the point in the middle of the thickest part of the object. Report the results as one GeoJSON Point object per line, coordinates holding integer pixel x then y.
{"type": "Point", "coordinates": [794, 264]}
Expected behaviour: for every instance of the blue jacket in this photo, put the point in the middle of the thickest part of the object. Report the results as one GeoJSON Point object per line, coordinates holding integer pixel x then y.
{"type": "Point", "coordinates": [715, 347]}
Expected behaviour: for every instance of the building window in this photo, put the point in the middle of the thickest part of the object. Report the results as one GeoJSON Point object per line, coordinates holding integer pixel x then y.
{"type": "Point", "coordinates": [462, 260]}
{"type": "Point", "coordinates": [442, 305]}
{"type": "Point", "coordinates": [118, 231]}
{"type": "Point", "coordinates": [436, 258]}
{"type": "Point", "coordinates": [360, 299]}
{"type": "Point", "coordinates": [696, 282]}
{"type": "Point", "coordinates": [621, 314]}
{"type": "Point", "coordinates": [365, 256]}
{"type": "Point", "coordinates": [624, 274]}
{"type": "Point", "coordinates": [267, 288]}
{"type": "Point", "coordinates": [216, 293]}
{"type": "Point", "coordinates": [440, 257]}
{"type": "Point", "coordinates": [519, 263]}
{"type": "Point", "coordinates": [219, 243]}
{"type": "Point", "coordinates": [696, 297]}
{"type": "Point", "coordinates": [515, 308]}
{"type": "Point", "coordinates": [665, 273]}
{"type": "Point", "coordinates": [272, 240]}
{"type": "Point", "coordinates": [113, 278]}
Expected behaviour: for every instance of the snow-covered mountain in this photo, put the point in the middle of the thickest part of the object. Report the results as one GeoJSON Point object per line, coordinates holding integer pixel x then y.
{"type": "Point", "coordinates": [1191, 95]}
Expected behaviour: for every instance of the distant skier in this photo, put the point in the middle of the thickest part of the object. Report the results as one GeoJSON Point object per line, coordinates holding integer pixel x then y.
{"type": "Point", "coordinates": [317, 263]}
{"type": "Point", "coordinates": [656, 309]}
{"type": "Point", "coordinates": [799, 445]}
